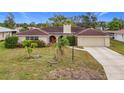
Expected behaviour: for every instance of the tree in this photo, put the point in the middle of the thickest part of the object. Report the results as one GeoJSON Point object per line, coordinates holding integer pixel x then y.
{"type": "Point", "coordinates": [24, 27]}
{"type": "Point", "coordinates": [62, 42]}
{"type": "Point", "coordinates": [89, 20]}
{"type": "Point", "coordinates": [58, 20]}
{"type": "Point", "coordinates": [102, 24]}
{"type": "Point", "coordinates": [32, 24]}
{"type": "Point", "coordinates": [115, 24]}
{"type": "Point", "coordinates": [45, 25]}
{"type": "Point", "coordinates": [9, 21]}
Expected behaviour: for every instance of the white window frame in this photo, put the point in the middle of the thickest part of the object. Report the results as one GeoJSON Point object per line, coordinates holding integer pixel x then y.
{"type": "Point", "coordinates": [32, 38]}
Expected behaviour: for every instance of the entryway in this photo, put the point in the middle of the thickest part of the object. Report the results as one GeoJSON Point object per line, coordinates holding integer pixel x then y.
{"type": "Point", "coordinates": [52, 39]}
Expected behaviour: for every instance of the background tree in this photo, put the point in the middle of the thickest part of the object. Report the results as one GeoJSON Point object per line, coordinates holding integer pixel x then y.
{"type": "Point", "coordinates": [32, 24]}
{"type": "Point", "coordinates": [115, 24]}
{"type": "Point", "coordinates": [9, 21]}
{"type": "Point", "coordinates": [45, 25]}
{"type": "Point", "coordinates": [57, 20]}
{"type": "Point", "coordinates": [102, 24]}
{"type": "Point", "coordinates": [89, 20]}
{"type": "Point", "coordinates": [24, 27]}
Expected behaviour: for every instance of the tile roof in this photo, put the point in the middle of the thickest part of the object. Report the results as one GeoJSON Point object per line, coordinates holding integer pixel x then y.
{"type": "Point", "coordinates": [91, 31]}
{"type": "Point", "coordinates": [59, 30]}
{"type": "Point", "coordinates": [120, 31]}
{"type": "Point", "coordinates": [33, 32]}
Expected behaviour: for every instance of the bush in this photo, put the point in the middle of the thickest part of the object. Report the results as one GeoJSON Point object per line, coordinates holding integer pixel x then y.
{"type": "Point", "coordinates": [72, 40]}
{"type": "Point", "coordinates": [34, 45]}
{"type": "Point", "coordinates": [19, 45]}
{"type": "Point", "coordinates": [26, 43]}
{"type": "Point", "coordinates": [11, 42]}
{"type": "Point", "coordinates": [40, 43]}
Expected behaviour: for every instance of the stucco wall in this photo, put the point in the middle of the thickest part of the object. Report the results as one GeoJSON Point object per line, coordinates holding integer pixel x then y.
{"type": "Point", "coordinates": [44, 38]}
{"type": "Point", "coordinates": [119, 37]}
{"type": "Point", "coordinates": [107, 41]}
{"type": "Point", "coordinates": [3, 35]}
{"type": "Point", "coordinates": [93, 41]}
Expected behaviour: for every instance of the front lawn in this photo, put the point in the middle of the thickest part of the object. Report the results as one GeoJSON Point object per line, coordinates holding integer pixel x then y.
{"type": "Point", "coordinates": [14, 64]}
{"type": "Point", "coordinates": [117, 46]}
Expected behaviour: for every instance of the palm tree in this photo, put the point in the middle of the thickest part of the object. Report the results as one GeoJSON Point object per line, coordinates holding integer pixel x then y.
{"type": "Point", "coordinates": [62, 42]}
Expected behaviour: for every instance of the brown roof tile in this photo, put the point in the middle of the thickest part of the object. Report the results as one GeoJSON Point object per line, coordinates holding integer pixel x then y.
{"type": "Point", "coordinates": [91, 31]}
{"type": "Point", "coordinates": [59, 30]}
{"type": "Point", "coordinates": [33, 32]}
{"type": "Point", "coordinates": [120, 31]}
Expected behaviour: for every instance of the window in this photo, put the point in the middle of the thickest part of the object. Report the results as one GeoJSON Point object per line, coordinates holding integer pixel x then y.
{"type": "Point", "coordinates": [32, 38]}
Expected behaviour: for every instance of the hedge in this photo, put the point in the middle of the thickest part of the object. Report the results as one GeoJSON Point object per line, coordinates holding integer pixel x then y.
{"type": "Point", "coordinates": [72, 40]}
{"type": "Point", "coordinates": [11, 42]}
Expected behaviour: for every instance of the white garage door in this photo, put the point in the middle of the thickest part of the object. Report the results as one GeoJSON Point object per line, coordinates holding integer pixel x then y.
{"type": "Point", "coordinates": [91, 41]}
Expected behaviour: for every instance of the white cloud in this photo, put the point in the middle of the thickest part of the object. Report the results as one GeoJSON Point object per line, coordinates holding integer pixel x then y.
{"type": "Point", "coordinates": [102, 13]}
{"type": "Point", "coordinates": [25, 16]}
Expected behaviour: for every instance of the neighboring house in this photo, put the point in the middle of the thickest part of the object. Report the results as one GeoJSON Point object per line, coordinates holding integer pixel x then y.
{"type": "Point", "coordinates": [119, 35]}
{"type": "Point", "coordinates": [110, 33]}
{"type": "Point", "coordinates": [5, 32]}
{"type": "Point", "coordinates": [84, 37]}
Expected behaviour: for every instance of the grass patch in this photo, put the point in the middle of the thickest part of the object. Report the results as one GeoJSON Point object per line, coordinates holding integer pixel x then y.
{"type": "Point", "coordinates": [117, 46]}
{"type": "Point", "coordinates": [14, 65]}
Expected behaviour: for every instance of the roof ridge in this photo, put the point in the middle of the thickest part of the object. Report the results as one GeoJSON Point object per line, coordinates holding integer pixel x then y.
{"type": "Point", "coordinates": [41, 30]}
{"type": "Point", "coordinates": [83, 30]}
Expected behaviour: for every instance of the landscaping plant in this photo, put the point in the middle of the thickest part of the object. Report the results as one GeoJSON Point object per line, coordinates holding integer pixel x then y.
{"type": "Point", "coordinates": [11, 42]}
{"type": "Point", "coordinates": [62, 42]}
{"type": "Point", "coordinates": [28, 46]}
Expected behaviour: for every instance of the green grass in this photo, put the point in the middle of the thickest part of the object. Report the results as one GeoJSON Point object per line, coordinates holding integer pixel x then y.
{"type": "Point", "coordinates": [15, 65]}
{"type": "Point", "coordinates": [117, 46]}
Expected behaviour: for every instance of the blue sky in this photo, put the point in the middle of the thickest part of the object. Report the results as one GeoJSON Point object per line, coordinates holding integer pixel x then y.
{"type": "Point", "coordinates": [38, 17]}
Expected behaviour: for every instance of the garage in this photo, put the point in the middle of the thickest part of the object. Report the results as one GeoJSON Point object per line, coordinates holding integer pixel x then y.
{"type": "Point", "coordinates": [93, 38]}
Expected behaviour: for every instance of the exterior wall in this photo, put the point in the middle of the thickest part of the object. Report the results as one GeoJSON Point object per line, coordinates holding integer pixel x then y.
{"type": "Point", "coordinates": [107, 41]}
{"type": "Point", "coordinates": [119, 37]}
{"type": "Point", "coordinates": [3, 35]}
{"type": "Point", "coordinates": [21, 38]}
{"type": "Point", "coordinates": [44, 38]}
{"type": "Point", "coordinates": [93, 41]}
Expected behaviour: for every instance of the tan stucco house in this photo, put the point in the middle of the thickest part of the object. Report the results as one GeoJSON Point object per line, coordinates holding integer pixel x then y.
{"type": "Point", "coordinates": [5, 32]}
{"type": "Point", "coordinates": [84, 37]}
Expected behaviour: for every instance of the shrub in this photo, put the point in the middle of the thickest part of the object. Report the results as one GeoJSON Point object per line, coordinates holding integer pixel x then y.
{"type": "Point", "coordinates": [34, 45]}
{"type": "Point", "coordinates": [26, 43]}
{"type": "Point", "coordinates": [40, 43]}
{"type": "Point", "coordinates": [19, 45]}
{"type": "Point", "coordinates": [11, 42]}
{"type": "Point", "coordinates": [71, 40]}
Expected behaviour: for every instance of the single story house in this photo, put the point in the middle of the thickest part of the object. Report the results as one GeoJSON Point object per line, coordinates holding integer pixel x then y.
{"type": "Point", "coordinates": [119, 35]}
{"type": "Point", "coordinates": [84, 37]}
{"type": "Point", "coordinates": [5, 32]}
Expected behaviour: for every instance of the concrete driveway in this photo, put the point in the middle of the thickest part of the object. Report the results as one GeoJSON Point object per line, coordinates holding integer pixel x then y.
{"type": "Point", "coordinates": [113, 62]}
